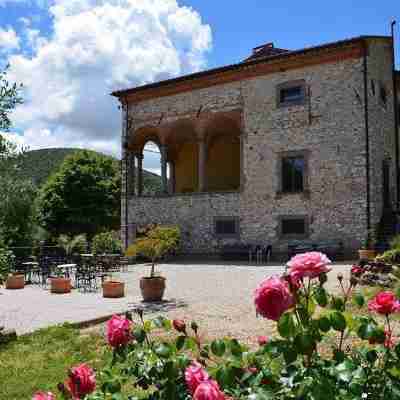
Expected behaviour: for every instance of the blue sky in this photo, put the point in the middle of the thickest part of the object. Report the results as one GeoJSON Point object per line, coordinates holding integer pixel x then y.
{"type": "Point", "coordinates": [71, 53]}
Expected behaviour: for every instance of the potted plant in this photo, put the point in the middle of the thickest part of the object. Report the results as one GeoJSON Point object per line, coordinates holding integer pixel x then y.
{"type": "Point", "coordinates": [158, 242]}
{"type": "Point", "coordinates": [113, 289]}
{"type": "Point", "coordinates": [12, 280]}
{"type": "Point", "coordinates": [367, 251]}
{"type": "Point", "coordinates": [60, 285]}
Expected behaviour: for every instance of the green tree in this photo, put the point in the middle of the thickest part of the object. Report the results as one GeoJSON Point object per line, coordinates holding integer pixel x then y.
{"type": "Point", "coordinates": [16, 194]}
{"type": "Point", "coordinates": [82, 197]}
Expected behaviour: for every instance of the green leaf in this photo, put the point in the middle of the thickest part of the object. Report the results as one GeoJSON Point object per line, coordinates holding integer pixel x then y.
{"type": "Point", "coordinates": [359, 300]}
{"type": "Point", "coordinates": [371, 356]}
{"type": "Point", "coordinates": [324, 324]}
{"type": "Point", "coordinates": [337, 303]}
{"type": "Point", "coordinates": [304, 343]}
{"type": "Point", "coordinates": [180, 342]}
{"type": "Point", "coordinates": [218, 347]}
{"type": "Point", "coordinates": [235, 347]}
{"type": "Point", "coordinates": [286, 325]}
{"type": "Point", "coordinates": [321, 296]}
{"type": "Point", "coordinates": [139, 334]}
{"type": "Point", "coordinates": [338, 321]}
{"type": "Point", "coordinates": [163, 350]}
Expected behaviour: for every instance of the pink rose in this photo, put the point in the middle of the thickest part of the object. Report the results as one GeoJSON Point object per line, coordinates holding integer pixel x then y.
{"type": "Point", "coordinates": [118, 331]}
{"type": "Point", "coordinates": [262, 340]}
{"type": "Point", "coordinates": [311, 265]}
{"type": "Point", "coordinates": [81, 381]}
{"type": "Point", "coordinates": [384, 303]}
{"type": "Point", "coordinates": [273, 298]}
{"type": "Point", "coordinates": [194, 375]}
{"type": "Point", "coordinates": [208, 390]}
{"type": "Point", "coordinates": [43, 396]}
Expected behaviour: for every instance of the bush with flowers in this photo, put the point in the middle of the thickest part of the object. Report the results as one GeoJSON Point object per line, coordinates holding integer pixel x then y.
{"type": "Point", "coordinates": [324, 350]}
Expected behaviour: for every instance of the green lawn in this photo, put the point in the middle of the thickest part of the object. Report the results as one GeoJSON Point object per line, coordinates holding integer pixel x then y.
{"type": "Point", "coordinates": [40, 360]}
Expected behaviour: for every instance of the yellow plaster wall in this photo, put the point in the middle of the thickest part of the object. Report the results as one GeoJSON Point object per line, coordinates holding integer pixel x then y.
{"type": "Point", "coordinates": [223, 165]}
{"type": "Point", "coordinates": [186, 169]}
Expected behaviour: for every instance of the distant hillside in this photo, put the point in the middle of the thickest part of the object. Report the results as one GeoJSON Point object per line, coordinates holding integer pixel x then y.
{"type": "Point", "coordinates": [38, 165]}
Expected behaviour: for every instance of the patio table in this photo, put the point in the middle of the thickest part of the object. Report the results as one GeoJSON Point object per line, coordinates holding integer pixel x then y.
{"type": "Point", "coordinates": [67, 268]}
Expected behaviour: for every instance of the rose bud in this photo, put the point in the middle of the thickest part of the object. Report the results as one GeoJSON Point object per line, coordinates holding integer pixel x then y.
{"type": "Point", "coordinates": [340, 277]}
{"type": "Point", "coordinates": [179, 325]}
{"type": "Point", "coordinates": [194, 326]}
{"type": "Point", "coordinates": [262, 340]}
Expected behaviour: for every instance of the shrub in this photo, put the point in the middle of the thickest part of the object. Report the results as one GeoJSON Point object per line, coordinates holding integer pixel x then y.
{"type": "Point", "coordinates": [73, 245]}
{"type": "Point", "coordinates": [6, 261]}
{"type": "Point", "coordinates": [290, 366]}
{"type": "Point", "coordinates": [106, 242]}
{"type": "Point", "coordinates": [395, 243]}
{"type": "Point", "coordinates": [390, 256]}
{"type": "Point", "coordinates": [158, 242]}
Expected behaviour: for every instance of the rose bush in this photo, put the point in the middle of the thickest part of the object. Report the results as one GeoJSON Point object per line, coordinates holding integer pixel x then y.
{"type": "Point", "coordinates": [325, 350]}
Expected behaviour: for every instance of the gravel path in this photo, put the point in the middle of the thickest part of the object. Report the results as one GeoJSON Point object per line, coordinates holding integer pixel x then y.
{"type": "Point", "coordinates": [218, 296]}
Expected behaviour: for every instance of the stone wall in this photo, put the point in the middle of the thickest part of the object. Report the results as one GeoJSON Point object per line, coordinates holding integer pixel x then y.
{"type": "Point", "coordinates": [381, 123]}
{"type": "Point", "coordinates": [194, 214]}
{"type": "Point", "coordinates": [329, 128]}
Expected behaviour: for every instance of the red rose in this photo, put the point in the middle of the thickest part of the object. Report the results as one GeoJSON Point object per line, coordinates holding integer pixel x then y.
{"type": "Point", "coordinates": [208, 390]}
{"type": "Point", "coordinates": [81, 381]}
{"type": "Point", "coordinates": [273, 298]}
{"type": "Point", "coordinates": [194, 375]}
{"type": "Point", "coordinates": [118, 331]}
{"type": "Point", "coordinates": [179, 325]}
{"type": "Point", "coordinates": [356, 270]}
{"type": "Point", "coordinates": [43, 396]}
{"type": "Point", "coordinates": [384, 303]}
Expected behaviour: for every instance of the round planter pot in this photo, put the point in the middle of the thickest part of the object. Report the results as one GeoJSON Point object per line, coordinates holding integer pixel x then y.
{"type": "Point", "coordinates": [367, 255]}
{"type": "Point", "coordinates": [15, 282]}
{"type": "Point", "coordinates": [152, 288]}
{"type": "Point", "coordinates": [112, 289]}
{"type": "Point", "coordinates": [60, 285]}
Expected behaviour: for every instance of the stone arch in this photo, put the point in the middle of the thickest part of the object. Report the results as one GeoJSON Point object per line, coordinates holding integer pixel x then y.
{"type": "Point", "coordinates": [223, 166]}
{"type": "Point", "coordinates": [143, 135]}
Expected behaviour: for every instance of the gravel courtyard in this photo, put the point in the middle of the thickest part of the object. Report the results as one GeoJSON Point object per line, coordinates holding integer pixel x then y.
{"type": "Point", "coordinates": [218, 296]}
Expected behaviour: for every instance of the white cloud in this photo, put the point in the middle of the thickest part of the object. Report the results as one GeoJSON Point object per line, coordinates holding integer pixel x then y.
{"type": "Point", "coordinates": [98, 46]}
{"type": "Point", "coordinates": [8, 40]}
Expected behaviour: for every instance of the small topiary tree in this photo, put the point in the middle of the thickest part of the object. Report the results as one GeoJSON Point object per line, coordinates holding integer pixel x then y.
{"type": "Point", "coordinates": [158, 242]}
{"type": "Point", "coordinates": [106, 242]}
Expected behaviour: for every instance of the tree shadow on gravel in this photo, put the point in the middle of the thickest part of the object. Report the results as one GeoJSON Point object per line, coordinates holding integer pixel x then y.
{"type": "Point", "coordinates": [157, 306]}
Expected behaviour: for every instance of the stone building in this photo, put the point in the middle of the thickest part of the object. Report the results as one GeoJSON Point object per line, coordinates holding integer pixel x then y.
{"type": "Point", "coordinates": [283, 146]}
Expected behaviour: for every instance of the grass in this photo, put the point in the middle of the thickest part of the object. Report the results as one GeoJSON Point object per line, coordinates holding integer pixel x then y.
{"type": "Point", "coordinates": [41, 360]}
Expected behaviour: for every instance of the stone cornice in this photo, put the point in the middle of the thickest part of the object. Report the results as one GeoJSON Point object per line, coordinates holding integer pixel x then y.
{"type": "Point", "coordinates": [330, 53]}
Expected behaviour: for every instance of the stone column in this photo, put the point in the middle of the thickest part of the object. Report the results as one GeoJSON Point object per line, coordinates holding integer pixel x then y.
{"type": "Point", "coordinates": [164, 180]}
{"type": "Point", "coordinates": [131, 174]}
{"type": "Point", "coordinates": [171, 177]}
{"type": "Point", "coordinates": [202, 166]}
{"type": "Point", "coordinates": [140, 174]}
{"type": "Point", "coordinates": [124, 172]}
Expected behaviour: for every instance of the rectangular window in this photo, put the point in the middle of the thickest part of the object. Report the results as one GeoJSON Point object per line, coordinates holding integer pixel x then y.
{"type": "Point", "coordinates": [293, 174]}
{"type": "Point", "coordinates": [293, 226]}
{"type": "Point", "coordinates": [291, 93]}
{"type": "Point", "coordinates": [226, 227]}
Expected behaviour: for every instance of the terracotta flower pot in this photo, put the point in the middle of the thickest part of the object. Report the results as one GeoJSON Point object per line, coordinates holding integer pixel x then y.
{"type": "Point", "coordinates": [60, 285]}
{"type": "Point", "coordinates": [15, 282]}
{"type": "Point", "coordinates": [367, 255]}
{"type": "Point", "coordinates": [113, 289]}
{"type": "Point", "coordinates": [152, 288]}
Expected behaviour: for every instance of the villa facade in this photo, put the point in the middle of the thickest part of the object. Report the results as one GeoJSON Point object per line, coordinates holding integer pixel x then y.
{"type": "Point", "coordinates": [284, 146]}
